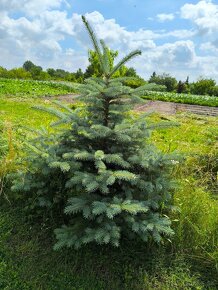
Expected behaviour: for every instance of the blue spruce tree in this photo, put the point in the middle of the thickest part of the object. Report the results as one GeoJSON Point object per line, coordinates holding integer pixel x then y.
{"type": "Point", "coordinates": [99, 173]}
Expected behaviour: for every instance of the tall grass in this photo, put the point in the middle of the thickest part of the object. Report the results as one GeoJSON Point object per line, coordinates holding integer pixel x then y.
{"type": "Point", "coordinates": [7, 156]}
{"type": "Point", "coordinates": [196, 225]}
{"type": "Point", "coordinates": [196, 231]}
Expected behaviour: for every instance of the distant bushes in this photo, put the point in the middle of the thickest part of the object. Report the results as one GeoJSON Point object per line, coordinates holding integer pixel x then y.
{"type": "Point", "coordinates": [15, 73]}
{"type": "Point", "coordinates": [30, 71]}
{"type": "Point", "coordinates": [165, 80]}
{"type": "Point", "coordinates": [205, 87]}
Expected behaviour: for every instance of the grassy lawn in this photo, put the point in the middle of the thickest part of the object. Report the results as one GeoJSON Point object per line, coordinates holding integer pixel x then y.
{"type": "Point", "coordinates": [27, 260]}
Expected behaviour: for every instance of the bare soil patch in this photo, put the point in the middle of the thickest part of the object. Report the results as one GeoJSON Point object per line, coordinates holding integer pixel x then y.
{"type": "Point", "coordinates": [169, 108]}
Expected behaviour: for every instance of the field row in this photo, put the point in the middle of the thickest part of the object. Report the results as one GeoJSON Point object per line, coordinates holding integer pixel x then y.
{"type": "Point", "coordinates": [32, 88]}
{"type": "Point", "coordinates": [182, 98]}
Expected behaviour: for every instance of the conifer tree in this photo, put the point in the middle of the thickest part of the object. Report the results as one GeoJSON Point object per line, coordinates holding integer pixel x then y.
{"type": "Point", "coordinates": [180, 87]}
{"type": "Point", "coordinates": [100, 170]}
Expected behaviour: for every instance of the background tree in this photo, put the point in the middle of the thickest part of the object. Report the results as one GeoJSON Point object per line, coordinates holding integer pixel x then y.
{"type": "Point", "coordinates": [28, 65]}
{"type": "Point", "coordinates": [131, 72]}
{"type": "Point", "coordinates": [15, 73]}
{"type": "Point", "coordinates": [153, 78]}
{"type": "Point", "coordinates": [203, 87]}
{"type": "Point", "coordinates": [94, 68]}
{"type": "Point", "coordinates": [137, 81]}
{"type": "Point", "coordinates": [101, 172]}
{"type": "Point", "coordinates": [19, 73]}
{"type": "Point", "coordinates": [79, 75]}
{"type": "Point", "coordinates": [214, 91]}
{"type": "Point", "coordinates": [36, 71]}
{"type": "Point", "coordinates": [165, 79]}
{"type": "Point", "coordinates": [3, 72]}
{"type": "Point", "coordinates": [180, 87]}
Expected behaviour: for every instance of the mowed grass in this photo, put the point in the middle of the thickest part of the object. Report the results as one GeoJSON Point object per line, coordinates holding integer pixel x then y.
{"type": "Point", "coordinates": [189, 261]}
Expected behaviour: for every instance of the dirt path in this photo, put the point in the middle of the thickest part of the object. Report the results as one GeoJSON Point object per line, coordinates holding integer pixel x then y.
{"type": "Point", "coordinates": [66, 98]}
{"type": "Point", "coordinates": [173, 108]}
{"type": "Point", "coordinates": [157, 106]}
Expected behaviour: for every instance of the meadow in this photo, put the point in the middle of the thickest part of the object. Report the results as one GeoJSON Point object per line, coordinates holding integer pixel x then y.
{"type": "Point", "coordinates": [189, 260]}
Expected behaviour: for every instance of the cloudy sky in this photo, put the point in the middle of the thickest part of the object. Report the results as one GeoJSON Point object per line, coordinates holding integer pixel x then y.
{"type": "Point", "coordinates": [178, 37]}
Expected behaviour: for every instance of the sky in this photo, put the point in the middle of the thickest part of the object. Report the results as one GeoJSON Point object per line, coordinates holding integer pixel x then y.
{"type": "Point", "coordinates": [179, 37]}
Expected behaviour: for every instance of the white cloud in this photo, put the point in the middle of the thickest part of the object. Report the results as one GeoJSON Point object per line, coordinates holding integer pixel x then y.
{"type": "Point", "coordinates": [165, 17]}
{"type": "Point", "coordinates": [177, 53]}
{"type": "Point", "coordinates": [114, 35]}
{"type": "Point", "coordinates": [204, 15]}
{"type": "Point", "coordinates": [119, 37]}
{"type": "Point", "coordinates": [38, 37]}
{"type": "Point", "coordinates": [180, 34]}
{"type": "Point", "coordinates": [31, 8]}
{"type": "Point", "coordinates": [208, 46]}
{"type": "Point", "coordinates": [178, 58]}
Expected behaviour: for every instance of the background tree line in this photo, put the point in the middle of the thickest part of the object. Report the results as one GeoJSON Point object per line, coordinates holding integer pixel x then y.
{"type": "Point", "coordinates": [203, 86]}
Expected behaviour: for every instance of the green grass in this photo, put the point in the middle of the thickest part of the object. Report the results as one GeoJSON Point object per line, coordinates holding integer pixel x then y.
{"type": "Point", "coordinates": [20, 112]}
{"type": "Point", "coordinates": [27, 260]}
{"type": "Point", "coordinates": [196, 139]}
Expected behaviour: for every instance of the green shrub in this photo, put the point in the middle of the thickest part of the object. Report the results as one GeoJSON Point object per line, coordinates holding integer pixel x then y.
{"type": "Point", "coordinates": [100, 174]}
{"type": "Point", "coordinates": [203, 87]}
{"type": "Point", "coordinates": [165, 80]}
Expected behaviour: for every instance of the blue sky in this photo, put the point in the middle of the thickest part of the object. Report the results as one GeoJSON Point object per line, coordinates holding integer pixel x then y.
{"type": "Point", "coordinates": [176, 37]}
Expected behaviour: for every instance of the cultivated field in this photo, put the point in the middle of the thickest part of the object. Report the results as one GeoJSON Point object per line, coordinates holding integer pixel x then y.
{"type": "Point", "coordinates": [183, 98]}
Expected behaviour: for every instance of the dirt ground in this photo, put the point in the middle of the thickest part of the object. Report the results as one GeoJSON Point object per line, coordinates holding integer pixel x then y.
{"type": "Point", "coordinates": [156, 106]}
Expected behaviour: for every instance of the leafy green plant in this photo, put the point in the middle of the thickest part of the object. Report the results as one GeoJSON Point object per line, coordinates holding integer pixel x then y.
{"type": "Point", "coordinates": [31, 88]}
{"type": "Point", "coordinates": [100, 170]}
{"type": "Point", "coordinates": [182, 98]}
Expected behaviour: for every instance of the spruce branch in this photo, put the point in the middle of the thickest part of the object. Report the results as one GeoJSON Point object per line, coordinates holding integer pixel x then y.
{"type": "Point", "coordinates": [52, 111]}
{"type": "Point", "coordinates": [125, 60]}
{"type": "Point", "coordinates": [94, 41]}
{"type": "Point", "coordinates": [106, 61]}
